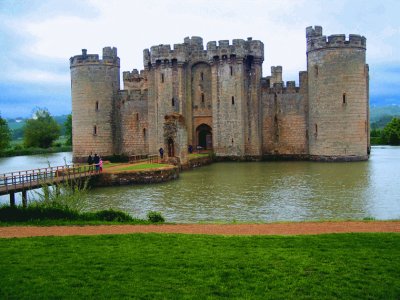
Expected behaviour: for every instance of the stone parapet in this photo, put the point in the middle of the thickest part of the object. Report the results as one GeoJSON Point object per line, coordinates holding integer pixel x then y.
{"type": "Point", "coordinates": [317, 41]}
{"type": "Point", "coordinates": [109, 58]}
{"type": "Point", "coordinates": [192, 48]}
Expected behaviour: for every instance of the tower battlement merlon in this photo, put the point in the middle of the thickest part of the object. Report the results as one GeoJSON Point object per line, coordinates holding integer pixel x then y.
{"type": "Point", "coordinates": [164, 53]}
{"type": "Point", "coordinates": [109, 58]}
{"type": "Point", "coordinates": [134, 75]}
{"type": "Point", "coordinates": [316, 41]}
{"type": "Point", "coordinates": [239, 48]}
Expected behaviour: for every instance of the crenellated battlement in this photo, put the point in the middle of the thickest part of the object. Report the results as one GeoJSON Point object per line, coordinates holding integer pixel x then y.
{"type": "Point", "coordinates": [134, 75]}
{"type": "Point", "coordinates": [192, 49]}
{"type": "Point", "coordinates": [109, 58]}
{"type": "Point", "coordinates": [275, 84]}
{"type": "Point", "coordinates": [239, 49]}
{"type": "Point", "coordinates": [317, 41]}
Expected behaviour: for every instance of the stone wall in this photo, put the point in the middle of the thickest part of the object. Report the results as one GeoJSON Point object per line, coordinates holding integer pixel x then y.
{"type": "Point", "coordinates": [137, 177]}
{"type": "Point", "coordinates": [133, 122]}
{"type": "Point", "coordinates": [284, 111]}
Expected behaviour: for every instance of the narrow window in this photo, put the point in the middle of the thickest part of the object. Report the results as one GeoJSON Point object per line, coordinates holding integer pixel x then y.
{"type": "Point", "coordinates": [144, 133]}
{"type": "Point", "coordinates": [137, 116]}
{"type": "Point", "coordinates": [201, 76]}
{"type": "Point", "coordinates": [95, 130]}
{"type": "Point", "coordinates": [97, 105]}
{"type": "Point", "coordinates": [344, 98]}
{"type": "Point", "coordinates": [316, 130]}
{"type": "Point", "coordinates": [233, 100]}
{"type": "Point", "coordinates": [231, 70]}
{"type": "Point", "coordinates": [316, 71]}
{"type": "Point", "coordinates": [173, 101]}
{"type": "Point", "coordinates": [202, 97]}
{"type": "Point", "coordinates": [162, 78]}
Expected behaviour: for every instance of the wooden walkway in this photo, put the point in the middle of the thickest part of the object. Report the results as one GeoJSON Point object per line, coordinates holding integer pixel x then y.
{"type": "Point", "coordinates": [22, 181]}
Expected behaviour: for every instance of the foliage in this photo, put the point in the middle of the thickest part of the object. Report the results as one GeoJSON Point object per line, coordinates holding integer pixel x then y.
{"type": "Point", "coordinates": [36, 214]}
{"type": "Point", "coordinates": [111, 215]}
{"type": "Point", "coordinates": [68, 130]}
{"type": "Point", "coordinates": [391, 132]}
{"type": "Point", "coordinates": [178, 266]}
{"type": "Point", "coordinates": [20, 150]}
{"type": "Point", "coordinates": [70, 195]}
{"type": "Point", "coordinates": [5, 134]}
{"type": "Point", "coordinates": [155, 217]}
{"type": "Point", "coordinates": [41, 131]}
{"type": "Point", "coordinates": [376, 137]}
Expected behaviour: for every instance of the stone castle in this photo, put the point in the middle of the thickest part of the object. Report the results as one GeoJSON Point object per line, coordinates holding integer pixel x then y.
{"type": "Point", "coordinates": [217, 99]}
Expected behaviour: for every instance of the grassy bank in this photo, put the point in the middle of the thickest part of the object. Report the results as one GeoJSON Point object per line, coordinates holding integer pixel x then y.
{"type": "Point", "coordinates": [31, 151]}
{"type": "Point", "coordinates": [172, 266]}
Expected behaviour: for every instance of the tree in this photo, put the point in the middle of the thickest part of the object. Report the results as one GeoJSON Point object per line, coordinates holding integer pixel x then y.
{"type": "Point", "coordinates": [391, 132]}
{"type": "Point", "coordinates": [41, 131]}
{"type": "Point", "coordinates": [5, 134]}
{"type": "Point", "coordinates": [68, 129]}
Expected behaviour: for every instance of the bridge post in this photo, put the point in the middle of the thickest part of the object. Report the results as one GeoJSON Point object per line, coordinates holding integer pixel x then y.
{"type": "Point", "coordinates": [12, 199]}
{"type": "Point", "coordinates": [24, 199]}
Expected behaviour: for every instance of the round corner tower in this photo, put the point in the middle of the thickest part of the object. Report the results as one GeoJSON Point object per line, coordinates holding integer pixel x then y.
{"type": "Point", "coordinates": [94, 89]}
{"type": "Point", "coordinates": [338, 119]}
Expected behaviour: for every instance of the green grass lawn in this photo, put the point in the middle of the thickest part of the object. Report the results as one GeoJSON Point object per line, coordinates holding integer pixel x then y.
{"type": "Point", "coordinates": [177, 266]}
{"type": "Point", "coordinates": [143, 166]}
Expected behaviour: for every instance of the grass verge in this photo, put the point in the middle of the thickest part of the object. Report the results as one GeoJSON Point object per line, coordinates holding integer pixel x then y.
{"type": "Point", "coordinates": [173, 266]}
{"type": "Point", "coordinates": [143, 166]}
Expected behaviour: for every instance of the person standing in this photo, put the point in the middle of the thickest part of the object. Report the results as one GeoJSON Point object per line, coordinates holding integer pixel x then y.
{"type": "Point", "coordinates": [90, 162]}
{"type": "Point", "coordinates": [101, 165]}
{"type": "Point", "coordinates": [161, 150]}
{"type": "Point", "coordinates": [96, 161]}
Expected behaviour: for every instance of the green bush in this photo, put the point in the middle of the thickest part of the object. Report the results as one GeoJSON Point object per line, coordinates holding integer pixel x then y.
{"type": "Point", "coordinates": [34, 212]}
{"type": "Point", "coordinates": [42, 213]}
{"type": "Point", "coordinates": [155, 217]}
{"type": "Point", "coordinates": [111, 215]}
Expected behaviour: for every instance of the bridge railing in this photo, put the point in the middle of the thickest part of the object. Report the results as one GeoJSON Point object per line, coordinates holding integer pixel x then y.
{"type": "Point", "coordinates": [34, 177]}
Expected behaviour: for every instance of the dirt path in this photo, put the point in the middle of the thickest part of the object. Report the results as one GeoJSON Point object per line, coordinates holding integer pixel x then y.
{"type": "Point", "coordinates": [222, 229]}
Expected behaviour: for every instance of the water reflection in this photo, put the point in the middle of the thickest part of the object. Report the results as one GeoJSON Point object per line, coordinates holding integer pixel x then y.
{"type": "Point", "coordinates": [268, 191]}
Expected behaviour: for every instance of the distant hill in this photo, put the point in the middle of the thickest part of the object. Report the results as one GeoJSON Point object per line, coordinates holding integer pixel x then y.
{"type": "Point", "coordinates": [381, 115]}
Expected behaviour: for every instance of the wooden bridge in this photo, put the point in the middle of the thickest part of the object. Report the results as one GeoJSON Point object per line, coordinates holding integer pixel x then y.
{"type": "Point", "coordinates": [22, 181]}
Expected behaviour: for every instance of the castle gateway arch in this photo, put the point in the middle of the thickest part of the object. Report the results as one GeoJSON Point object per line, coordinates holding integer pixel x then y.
{"type": "Point", "coordinates": [204, 136]}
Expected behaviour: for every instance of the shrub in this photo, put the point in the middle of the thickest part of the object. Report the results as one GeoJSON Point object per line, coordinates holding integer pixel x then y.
{"type": "Point", "coordinates": [112, 215]}
{"type": "Point", "coordinates": [155, 217]}
{"type": "Point", "coordinates": [34, 212]}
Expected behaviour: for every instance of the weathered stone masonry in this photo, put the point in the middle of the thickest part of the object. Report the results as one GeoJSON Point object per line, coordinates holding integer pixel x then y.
{"type": "Point", "coordinates": [216, 98]}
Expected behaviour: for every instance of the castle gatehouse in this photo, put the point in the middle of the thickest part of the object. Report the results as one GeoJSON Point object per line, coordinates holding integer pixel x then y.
{"type": "Point", "coordinates": [215, 98]}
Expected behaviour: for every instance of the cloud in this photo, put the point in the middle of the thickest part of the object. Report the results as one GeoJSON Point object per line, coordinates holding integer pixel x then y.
{"type": "Point", "coordinates": [38, 37]}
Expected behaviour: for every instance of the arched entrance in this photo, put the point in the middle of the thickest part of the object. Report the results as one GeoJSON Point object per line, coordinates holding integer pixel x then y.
{"type": "Point", "coordinates": [204, 136]}
{"type": "Point", "coordinates": [171, 149]}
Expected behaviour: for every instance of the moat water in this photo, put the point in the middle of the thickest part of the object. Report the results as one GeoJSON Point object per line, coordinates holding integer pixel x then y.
{"type": "Point", "coordinates": [256, 191]}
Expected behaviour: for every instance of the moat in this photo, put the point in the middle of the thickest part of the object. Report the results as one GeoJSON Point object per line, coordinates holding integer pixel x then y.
{"type": "Point", "coordinates": [261, 191]}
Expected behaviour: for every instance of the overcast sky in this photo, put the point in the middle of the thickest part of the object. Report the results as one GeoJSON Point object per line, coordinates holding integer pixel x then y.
{"type": "Point", "coordinates": [37, 38]}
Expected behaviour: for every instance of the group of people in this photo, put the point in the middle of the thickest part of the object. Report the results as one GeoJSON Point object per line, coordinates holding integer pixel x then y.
{"type": "Point", "coordinates": [96, 161]}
